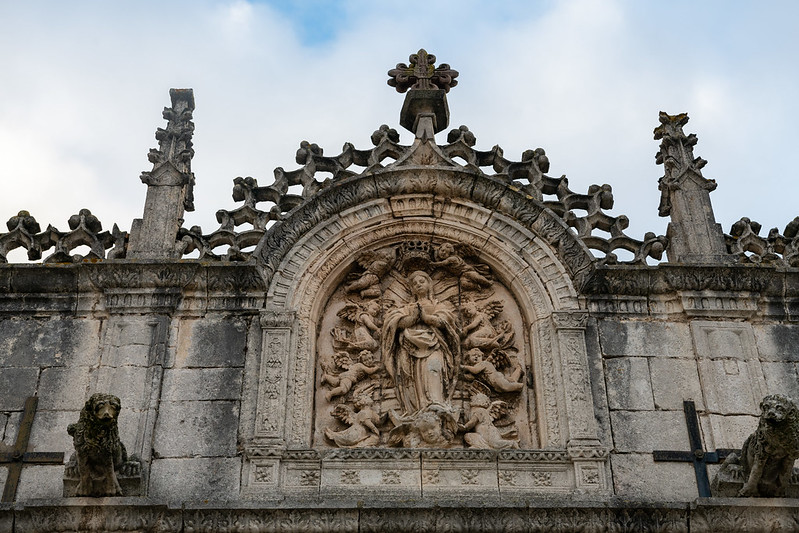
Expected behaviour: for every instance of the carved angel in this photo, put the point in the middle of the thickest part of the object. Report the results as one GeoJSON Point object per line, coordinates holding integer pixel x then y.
{"type": "Point", "coordinates": [480, 332]}
{"type": "Point", "coordinates": [366, 317]}
{"type": "Point", "coordinates": [434, 427]}
{"type": "Point", "coordinates": [375, 265]}
{"type": "Point", "coordinates": [448, 258]}
{"type": "Point", "coordinates": [482, 431]}
{"type": "Point", "coordinates": [486, 368]}
{"type": "Point", "coordinates": [362, 431]}
{"type": "Point", "coordinates": [352, 372]}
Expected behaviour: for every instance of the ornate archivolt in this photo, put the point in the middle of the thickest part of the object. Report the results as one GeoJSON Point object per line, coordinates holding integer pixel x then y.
{"type": "Point", "coordinates": [422, 322]}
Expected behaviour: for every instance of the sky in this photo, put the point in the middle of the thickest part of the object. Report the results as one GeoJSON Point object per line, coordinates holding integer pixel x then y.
{"type": "Point", "coordinates": [83, 83]}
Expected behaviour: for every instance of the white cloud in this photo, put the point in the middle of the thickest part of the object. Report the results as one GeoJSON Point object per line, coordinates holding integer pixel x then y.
{"type": "Point", "coordinates": [84, 86]}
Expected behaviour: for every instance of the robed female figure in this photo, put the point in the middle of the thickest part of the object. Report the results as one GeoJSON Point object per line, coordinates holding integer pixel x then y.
{"type": "Point", "coordinates": [421, 348]}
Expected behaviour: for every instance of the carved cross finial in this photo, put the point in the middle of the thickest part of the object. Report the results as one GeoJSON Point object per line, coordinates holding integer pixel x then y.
{"type": "Point", "coordinates": [422, 74]}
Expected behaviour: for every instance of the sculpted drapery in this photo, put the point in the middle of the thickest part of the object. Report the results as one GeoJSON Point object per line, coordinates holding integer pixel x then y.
{"type": "Point", "coordinates": [420, 347]}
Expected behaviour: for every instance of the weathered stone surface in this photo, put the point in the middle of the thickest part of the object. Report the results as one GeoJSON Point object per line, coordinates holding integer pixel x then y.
{"type": "Point", "coordinates": [211, 342]}
{"type": "Point", "coordinates": [597, 377]}
{"type": "Point", "coordinates": [724, 339]}
{"type": "Point", "coordinates": [777, 342]}
{"type": "Point", "coordinates": [633, 476]}
{"type": "Point", "coordinates": [55, 341]}
{"type": "Point", "coordinates": [628, 384]}
{"type": "Point", "coordinates": [201, 479]}
{"type": "Point", "coordinates": [782, 378]}
{"type": "Point", "coordinates": [634, 338]}
{"type": "Point", "coordinates": [729, 431]}
{"type": "Point", "coordinates": [644, 431]}
{"type": "Point", "coordinates": [39, 481]}
{"type": "Point", "coordinates": [64, 388]}
{"type": "Point", "coordinates": [49, 431]}
{"type": "Point", "coordinates": [731, 386]}
{"type": "Point", "coordinates": [202, 384]}
{"type": "Point", "coordinates": [202, 428]}
{"type": "Point", "coordinates": [674, 381]}
{"type": "Point", "coordinates": [16, 384]}
{"type": "Point", "coordinates": [129, 384]}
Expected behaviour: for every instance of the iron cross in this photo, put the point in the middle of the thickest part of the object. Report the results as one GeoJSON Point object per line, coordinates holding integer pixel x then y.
{"type": "Point", "coordinates": [697, 455]}
{"type": "Point", "coordinates": [19, 456]}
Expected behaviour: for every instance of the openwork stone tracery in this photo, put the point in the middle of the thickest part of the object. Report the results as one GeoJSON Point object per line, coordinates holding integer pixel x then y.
{"type": "Point", "coordinates": [422, 347]}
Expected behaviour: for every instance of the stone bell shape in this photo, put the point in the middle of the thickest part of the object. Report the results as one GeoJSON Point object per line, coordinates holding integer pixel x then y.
{"type": "Point", "coordinates": [693, 233]}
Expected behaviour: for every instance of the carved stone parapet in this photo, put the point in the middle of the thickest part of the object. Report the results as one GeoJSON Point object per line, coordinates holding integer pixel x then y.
{"type": "Point", "coordinates": [567, 320]}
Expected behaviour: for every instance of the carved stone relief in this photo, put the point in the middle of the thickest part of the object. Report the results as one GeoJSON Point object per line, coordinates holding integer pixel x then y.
{"type": "Point", "coordinates": [420, 346]}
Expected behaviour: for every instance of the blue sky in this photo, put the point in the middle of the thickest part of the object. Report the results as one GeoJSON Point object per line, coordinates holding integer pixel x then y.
{"type": "Point", "coordinates": [84, 83]}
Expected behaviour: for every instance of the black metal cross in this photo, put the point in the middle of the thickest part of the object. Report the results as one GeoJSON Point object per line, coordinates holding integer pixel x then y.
{"type": "Point", "coordinates": [697, 455]}
{"type": "Point", "coordinates": [19, 456]}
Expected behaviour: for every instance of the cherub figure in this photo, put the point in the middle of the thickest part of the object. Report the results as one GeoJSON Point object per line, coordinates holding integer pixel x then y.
{"type": "Point", "coordinates": [352, 374]}
{"type": "Point", "coordinates": [434, 427]}
{"type": "Point", "coordinates": [376, 265]}
{"type": "Point", "coordinates": [366, 317]}
{"type": "Point", "coordinates": [487, 370]}
{"type": "Point", "coordinates": [480, 332]}
{"type": "Point", "coordinates": [485, 434]}
{"type": "Point", "coordinates": [362, 431]}
{"type": "Point", "coordinates": [448, 259]}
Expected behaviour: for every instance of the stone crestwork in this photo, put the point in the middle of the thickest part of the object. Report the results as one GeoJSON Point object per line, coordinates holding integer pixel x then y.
{"type": "Point", "coordinates": [418, 348]}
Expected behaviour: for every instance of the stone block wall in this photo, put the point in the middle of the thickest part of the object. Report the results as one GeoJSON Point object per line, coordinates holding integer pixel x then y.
{"type": "Point", "coordinates": [652, 365]}
{"type": "Point", "coordinates": [55, 358]}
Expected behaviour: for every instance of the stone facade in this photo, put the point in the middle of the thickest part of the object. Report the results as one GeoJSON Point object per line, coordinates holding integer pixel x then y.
{"type": "Point", "coordinates": [435, 335]}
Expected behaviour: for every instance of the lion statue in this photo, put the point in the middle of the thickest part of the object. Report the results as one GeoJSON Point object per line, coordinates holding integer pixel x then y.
{"type": "Point", "coordinates": [768, 454]}
{"type": "Point", "coordinates": [100, 453]}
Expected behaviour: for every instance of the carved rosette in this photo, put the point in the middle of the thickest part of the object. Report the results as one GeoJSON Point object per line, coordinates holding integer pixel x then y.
{"type": "Point", "coordinates": [420, 346]}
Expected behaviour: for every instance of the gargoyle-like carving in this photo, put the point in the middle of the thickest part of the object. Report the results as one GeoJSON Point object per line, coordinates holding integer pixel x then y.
{"type": "Point", "coordinates": [767, 457]}
{"type": "Point", "coordinates": [101, 456]}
